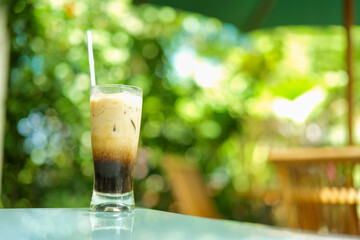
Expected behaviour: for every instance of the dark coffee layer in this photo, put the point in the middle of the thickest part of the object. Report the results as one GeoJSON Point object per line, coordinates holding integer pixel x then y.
{"type": "Point", "coordinates": [113, 176]}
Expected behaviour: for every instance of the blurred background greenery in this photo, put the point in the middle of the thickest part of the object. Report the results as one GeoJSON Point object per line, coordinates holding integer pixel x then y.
{"type": "Point", "coordinates": [219, 97]}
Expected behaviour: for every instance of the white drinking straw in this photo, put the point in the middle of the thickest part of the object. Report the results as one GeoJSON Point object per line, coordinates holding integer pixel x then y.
{"type": "Point", "coordinates": [91, 59]}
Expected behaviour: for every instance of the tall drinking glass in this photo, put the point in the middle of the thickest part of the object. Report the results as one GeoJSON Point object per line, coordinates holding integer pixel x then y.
{"type": "Point", "coordinates": [115, 116]}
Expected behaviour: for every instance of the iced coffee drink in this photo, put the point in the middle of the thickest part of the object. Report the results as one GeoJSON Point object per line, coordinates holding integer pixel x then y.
{"type": "Point", "coordinates": [115, 116]}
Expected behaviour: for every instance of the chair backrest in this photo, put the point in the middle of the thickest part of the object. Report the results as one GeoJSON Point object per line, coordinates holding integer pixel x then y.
{"type": "Point", "coordinates": [318, 187]}
{"type": "Point", "coordinates": [188, 187]}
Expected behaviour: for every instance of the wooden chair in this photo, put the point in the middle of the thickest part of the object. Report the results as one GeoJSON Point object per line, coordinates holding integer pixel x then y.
{"type": "Point", "coordinates": [188, 187]}
{"type": "Point", "coordinates": [317, 188]}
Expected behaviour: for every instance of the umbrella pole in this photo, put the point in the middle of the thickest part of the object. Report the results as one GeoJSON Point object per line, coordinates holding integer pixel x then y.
{"type": "Point", "coordinates": [349, 19]}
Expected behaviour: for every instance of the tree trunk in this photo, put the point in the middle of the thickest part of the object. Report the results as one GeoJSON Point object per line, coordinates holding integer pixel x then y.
{"type": "Point", "coordinates": [4, 69]}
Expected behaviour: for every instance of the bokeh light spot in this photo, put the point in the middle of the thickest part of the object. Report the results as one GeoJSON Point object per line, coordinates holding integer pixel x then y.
{"type": "Point", "coordinates": [62, 70]}
{"type": "Point", "coordinates": [25, 176]}
{"type": "Point", "coordinates": [155, 183]}
{"type": "Point", "coordinates": [167, 15]}
{"type": "Point", "coordinates": [191, 24]}
{"type": "Point", "coordinates": [82, 81]}
{"type": "Point", "coordinates": [150, 51]}
{"type": "Point", "coordinates": [152, 129]}
{"type": "Point", "coordinates": [210, 129]}
{"type": "Point", "coordinates": [150, 14]}
{"type": "Point", "coordinates": [38, 156]}
{"type": "Point", "coordinates": [19, 6]}
{"type": "Point", "coordinates": [188, 109]}
{"type": "Point", "coordinates": [86, 139]}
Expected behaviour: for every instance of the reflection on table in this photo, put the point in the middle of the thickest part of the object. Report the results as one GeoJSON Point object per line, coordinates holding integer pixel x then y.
{"type": "Point", "coordinates": [112, 225]}
{"type": "Point", "coordinates": [140, 224]}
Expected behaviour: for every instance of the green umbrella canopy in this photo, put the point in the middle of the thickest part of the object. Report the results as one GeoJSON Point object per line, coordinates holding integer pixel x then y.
{"type": "Point", "coordinates": [252, 14]}
{"type": "Point", "coordinates": [249, 15]}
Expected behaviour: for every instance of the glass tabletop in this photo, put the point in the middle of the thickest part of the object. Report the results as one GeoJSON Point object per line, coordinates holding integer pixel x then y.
{"type": "Point", "coordinates": [80, 223]}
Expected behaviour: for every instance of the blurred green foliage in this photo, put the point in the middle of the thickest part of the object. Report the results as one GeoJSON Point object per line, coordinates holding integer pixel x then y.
{"type": "Point", "coordinates": [211, 94]}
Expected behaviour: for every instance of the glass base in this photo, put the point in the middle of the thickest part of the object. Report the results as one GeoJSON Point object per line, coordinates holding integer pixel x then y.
{"type": "Point", "coordinates": [112, 202]}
